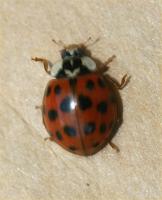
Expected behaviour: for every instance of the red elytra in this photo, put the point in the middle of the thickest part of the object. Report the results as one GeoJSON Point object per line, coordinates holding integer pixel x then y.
{"type": "Point", "coordinates": [80, 119]}
{"type": "Point", "coordinates": [81, 107]}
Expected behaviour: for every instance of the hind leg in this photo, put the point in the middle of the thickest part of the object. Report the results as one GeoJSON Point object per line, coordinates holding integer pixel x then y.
{"type": "Point", "coordinates": [114, 146]}
{"type": "Point", "coordinates": [39, 107]}
{"type": "Point", "coordinates": [125, 80]}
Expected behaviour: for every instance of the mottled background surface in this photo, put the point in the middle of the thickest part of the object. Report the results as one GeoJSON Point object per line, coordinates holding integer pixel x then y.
{"type": "Point", "coordinates": [31, 168]}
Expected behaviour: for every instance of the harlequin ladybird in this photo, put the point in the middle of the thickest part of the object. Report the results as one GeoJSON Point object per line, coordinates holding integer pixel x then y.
{"type": "Point", "coordinates": [80, 107]}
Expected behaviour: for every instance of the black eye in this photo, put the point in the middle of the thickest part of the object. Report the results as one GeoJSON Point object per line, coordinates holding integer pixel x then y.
{"type": "Point", "coordinates": [64, 54]}
{"type": "Point", "coordinates": [78, 52]}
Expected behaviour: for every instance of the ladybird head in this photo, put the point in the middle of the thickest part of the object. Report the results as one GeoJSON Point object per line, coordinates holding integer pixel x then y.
{"type": "Point", "coordinates": [75, 61]}
{"type": "Point", "coordinates": [71, 51]}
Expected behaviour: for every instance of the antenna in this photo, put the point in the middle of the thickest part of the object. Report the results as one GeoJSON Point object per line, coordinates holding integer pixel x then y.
{"type": "Point", "coordinates": [86, 43]}
{"type": "Point", "coordinates": [59, 43]}
{"type": "Point", "coordinates": [92, 43]}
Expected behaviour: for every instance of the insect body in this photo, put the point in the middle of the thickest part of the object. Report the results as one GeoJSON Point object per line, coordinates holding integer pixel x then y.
{"type": "Point", "coordinates": [80, 108]}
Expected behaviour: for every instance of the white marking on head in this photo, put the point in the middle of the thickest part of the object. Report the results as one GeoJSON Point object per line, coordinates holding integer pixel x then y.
{"type": "Point", "coordinates": [89, 63]}
{"type": "Point", "coordinates": [71, 62]}
{"type": "Point", "coordinates": [54, 68]}
{"type": "Point", "coordinates": [71, 51]}
{"type": "Point", "coordinates": [72, 74]}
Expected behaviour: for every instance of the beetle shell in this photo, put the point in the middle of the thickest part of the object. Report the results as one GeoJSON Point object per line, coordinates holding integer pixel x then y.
{"type": "Point", "coordinates": [80, 114]}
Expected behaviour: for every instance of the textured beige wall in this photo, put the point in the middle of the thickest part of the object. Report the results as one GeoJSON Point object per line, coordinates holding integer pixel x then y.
{"type": "Point", "coordinates": [31, 168]}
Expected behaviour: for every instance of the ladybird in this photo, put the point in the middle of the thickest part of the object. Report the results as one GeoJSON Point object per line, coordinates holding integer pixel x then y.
{"type": "Point", "coordinates": [80, 106]}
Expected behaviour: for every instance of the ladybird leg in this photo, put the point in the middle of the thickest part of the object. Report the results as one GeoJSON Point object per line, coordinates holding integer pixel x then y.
{"type": "Point", "coordinates": [125, 80]}
{"type": "Point", "coordinates": [104, 67]}
{"type": "Point", "coordinates": [45, 62]}
{"type": "Point", "coordinates": [109, 60]}
{"type": "Point", "coordinates": [49, 138]}
{"type": "Point", "coordinates": [39, 107]}
{"type": "Point", "coordinates": [114, 146]}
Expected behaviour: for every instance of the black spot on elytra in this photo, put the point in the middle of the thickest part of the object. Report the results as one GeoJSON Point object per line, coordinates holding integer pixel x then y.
{"type": "Point", "coordinates": [67, 64]}
{"type": "Point", "coordinates": [103, 128]}
{"type": "Point", "coordinates": [101, 83]}
{"type": "Point", "coordinates": [57, 89]}
{"type": "Point", "coordinates": [89, 128]}
{"type": "Point", "coordinates": [60, 74]}
{"type": "Point", "coordinates": [84, 70]}
{"type": "Point", "coordinates": [102, 107]}
{"type": "Point", "coordinates": [48, 91]}
{"type": "Point", "coordinates": [90, 85]}
{"type": "Point", "coordinates": [59, 135]}
{"type": "Point", "coordinates": [70, 131]}
{"type": "Point", "coordinates": [65, 105]}
{"type": "Point", "coordinates": [84, 102]}
{"type": "Point", "coordinates": [77, 62]}
{"type": "Point", "coordinates": [52, 114]}
{"type": "Point", "coordinates": [72, 148]}
{"type": "Point", "coordinates": [95, 144]}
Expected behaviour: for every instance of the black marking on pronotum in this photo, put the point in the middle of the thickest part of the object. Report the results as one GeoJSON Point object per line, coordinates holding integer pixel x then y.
{"type": "Point", "coordinates": [84, 70]}
{"type": "Point", "coordinates": [67, 64]}
{"type": "Point", "coordinates": [52, 114]}
{"type": "Point", "coordinates": [84, 102]}
{"type": "Point", "coordinates": [89, 128]}
{"type": "Point", "coordinates": [60, 74]}
{"type": "Point", "coordinates": [77, 63]}
{"type": "Point", "coordinates": [72, 64]}
{"type": "Point", "coordinates": [70, 131]}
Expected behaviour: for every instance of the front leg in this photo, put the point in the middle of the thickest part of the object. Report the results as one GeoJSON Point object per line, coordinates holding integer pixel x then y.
{"type": "Point", "coordinates": [45, 62]}
{"type": "Point", "coordinates": [51, 138]}
{"type": "Point", "coordinates": [39, 107]}
{"type": "Point", "coordinates": [104, 67]}
{"type": "Point", "coordinates": [109, 60]}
